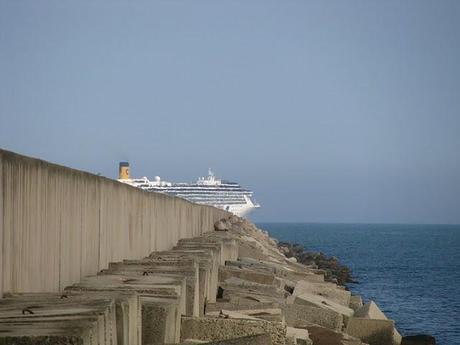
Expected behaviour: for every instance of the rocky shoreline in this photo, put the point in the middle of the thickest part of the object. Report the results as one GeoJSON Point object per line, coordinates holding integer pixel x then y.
{"type": "Point", "coordinates": [232, 286]}
{"type": "Point", "coordinates": [334, 271]}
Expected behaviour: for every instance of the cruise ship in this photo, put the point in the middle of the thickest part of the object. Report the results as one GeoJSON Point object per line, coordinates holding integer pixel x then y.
{"type": "Point", "coordinates": [209, 190]}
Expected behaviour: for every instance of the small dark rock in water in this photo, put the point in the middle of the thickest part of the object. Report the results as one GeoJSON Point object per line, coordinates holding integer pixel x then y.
{"type": "Point", "coordinates": [334, 270]}
{"type": "Point", "coordinates": [420, 339]}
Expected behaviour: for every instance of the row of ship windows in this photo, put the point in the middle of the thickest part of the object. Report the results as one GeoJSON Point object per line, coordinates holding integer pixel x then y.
{"type": "Point", "coordinates": [220, 194]}
{"type": "Point", "coordinates": [171, 189]}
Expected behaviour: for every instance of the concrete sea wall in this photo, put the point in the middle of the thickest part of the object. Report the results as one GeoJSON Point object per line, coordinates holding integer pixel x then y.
{"type": "Point", "coordinates": [58, 224]}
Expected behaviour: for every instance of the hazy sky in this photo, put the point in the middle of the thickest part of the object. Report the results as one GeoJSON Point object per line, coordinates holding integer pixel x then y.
{"type": "Point", "coordinates": [336, 111]}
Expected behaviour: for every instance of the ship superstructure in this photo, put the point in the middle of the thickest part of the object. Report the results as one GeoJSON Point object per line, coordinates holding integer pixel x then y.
{"type": "Point", "coordinates": [209, 190]}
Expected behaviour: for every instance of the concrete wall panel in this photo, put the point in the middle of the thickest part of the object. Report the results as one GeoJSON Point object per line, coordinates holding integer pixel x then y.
{"type": "Point", "coordinates": [59, 224]}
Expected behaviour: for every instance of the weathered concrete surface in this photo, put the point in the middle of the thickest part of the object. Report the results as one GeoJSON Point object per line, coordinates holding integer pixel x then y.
{"type": "Point", "coordinates": [361, 325]}
{"type": "Point", "coordinates": [298, 336]}
{"type": "Point", "coordinates": [324, 336]}
{"type": "Point", "coordinates": [90, 322]}
{"type": "Point", "coordinates": [212, 329]}
{"type": "Point", "coordinates": [371, 331]}
{"type": "Point", "coordinates": [301, 315]}
{"type": "Point", "coordinates": [127, 304]}
{"type": "Point", "coordinates": [321, 302]}
{"type": "Point", "coordinates": [268, 314]}
{"type": "Point", "coordinates": [327, 290]}
{"type": "Point", "coordinates": [189, 270]}
{"type": "Point", "coordinates": [227, 272]}
{"type": "Point", "coordinates": [258, 339]}
{"type": "Point", "coordinates": [58, 224]}
{"type": "Point", "coordinates": [160, 300]}
{"type": "Point", "coordinates": [206, 261]}
{"type": "Point", "coordinates": [356, 302]}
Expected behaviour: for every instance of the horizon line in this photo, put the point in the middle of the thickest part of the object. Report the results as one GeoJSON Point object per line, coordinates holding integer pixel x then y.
{"type": "Point", "coordinates": [349, 223]}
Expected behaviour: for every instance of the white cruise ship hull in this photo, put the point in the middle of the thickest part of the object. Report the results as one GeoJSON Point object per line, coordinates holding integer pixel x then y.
{"type": "Point", "coordinates": [229, 196]}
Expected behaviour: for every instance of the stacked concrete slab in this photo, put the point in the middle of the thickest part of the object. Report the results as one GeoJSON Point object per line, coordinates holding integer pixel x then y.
{"type": "Point", "coordinates": [50, 320]}
{"type": "Point", "coordinates": [127, 308]}
{"type": "Point", "coordinates": [263, 285]}
{"type": "Point", "coordinates": [162, 302]}
{"type": "Point", "coordinates": [231, 286]}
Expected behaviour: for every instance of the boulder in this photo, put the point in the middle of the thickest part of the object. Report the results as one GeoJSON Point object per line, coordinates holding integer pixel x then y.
{"type": "Point", "coordinates": [221, 225]}
{"type": "Point", "coordinates": [420, 339]}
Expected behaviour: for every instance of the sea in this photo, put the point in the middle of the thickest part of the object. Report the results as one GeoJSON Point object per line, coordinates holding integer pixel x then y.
{"type": "Point", "coordinates": [411, 271]}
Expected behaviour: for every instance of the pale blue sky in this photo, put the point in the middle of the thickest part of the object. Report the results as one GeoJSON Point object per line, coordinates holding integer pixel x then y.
{"type": "Point", "coordinates": [336, 111]}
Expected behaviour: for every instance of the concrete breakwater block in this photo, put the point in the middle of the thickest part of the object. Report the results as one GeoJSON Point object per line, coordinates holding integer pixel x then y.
{"type": "Point", "coordinates": [298, 336]}
{"type": "Point", "coordinates": [258, 339]}
{"type": "Point", "coordinates": [212, 250]}
{"type": "Point", "coordinates": [370, 311]}
{"type": "Point", "coordinates": [301, 315]}
{"type": "Point", "coordinates": [215, 329]}
{"type": "Point", "coordinates": [227, 272]}
{"type": "Point", "coordinates": [88, 323]}
{"type": "Point", "coordinates": [215, 248]}
{"type": "Point", "coordinates": [356, 302]}
{"type": "Point", "coordinates": [251, 263]}
{"type": "Point", "coordinates": [205, 257]}
{"type": "Point", "coordinates": [246, 284]}
{"type": "Point", "coordinates": [371, 331]}
{"type": "Point", "coordinates": [268, 314]}
{"type": "Point", "coordinates": [172, 285]}
{"type": "Point", "coordinates": [238, 295]}
{"type": "Point", "coordinates": [228, 247]}
{"type": "Point", "coordinates": [161, 303]}
{"type": "Point", "coordinates": [189, 272]}
{"type": "Point", "coordinates": [322, 302]}
{"type": "Point", "coordinates": [127, 306]}
{"type": "Point", "coordinates": [250, 305]}
{"type": "Point", "coordinates": [205, 267]}
{"type": "Point", "coordinates": [284, 270]}
{"type": "Point", "coordinates": [324, 336]}
{"type": "Point", "coordinates": [327, 290]}
{"type": "Point", "coordinates": [230, 244]}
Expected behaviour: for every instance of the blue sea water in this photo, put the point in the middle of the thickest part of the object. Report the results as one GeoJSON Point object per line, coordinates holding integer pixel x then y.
{"type": "Point", "coordinates": [411, 271]}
